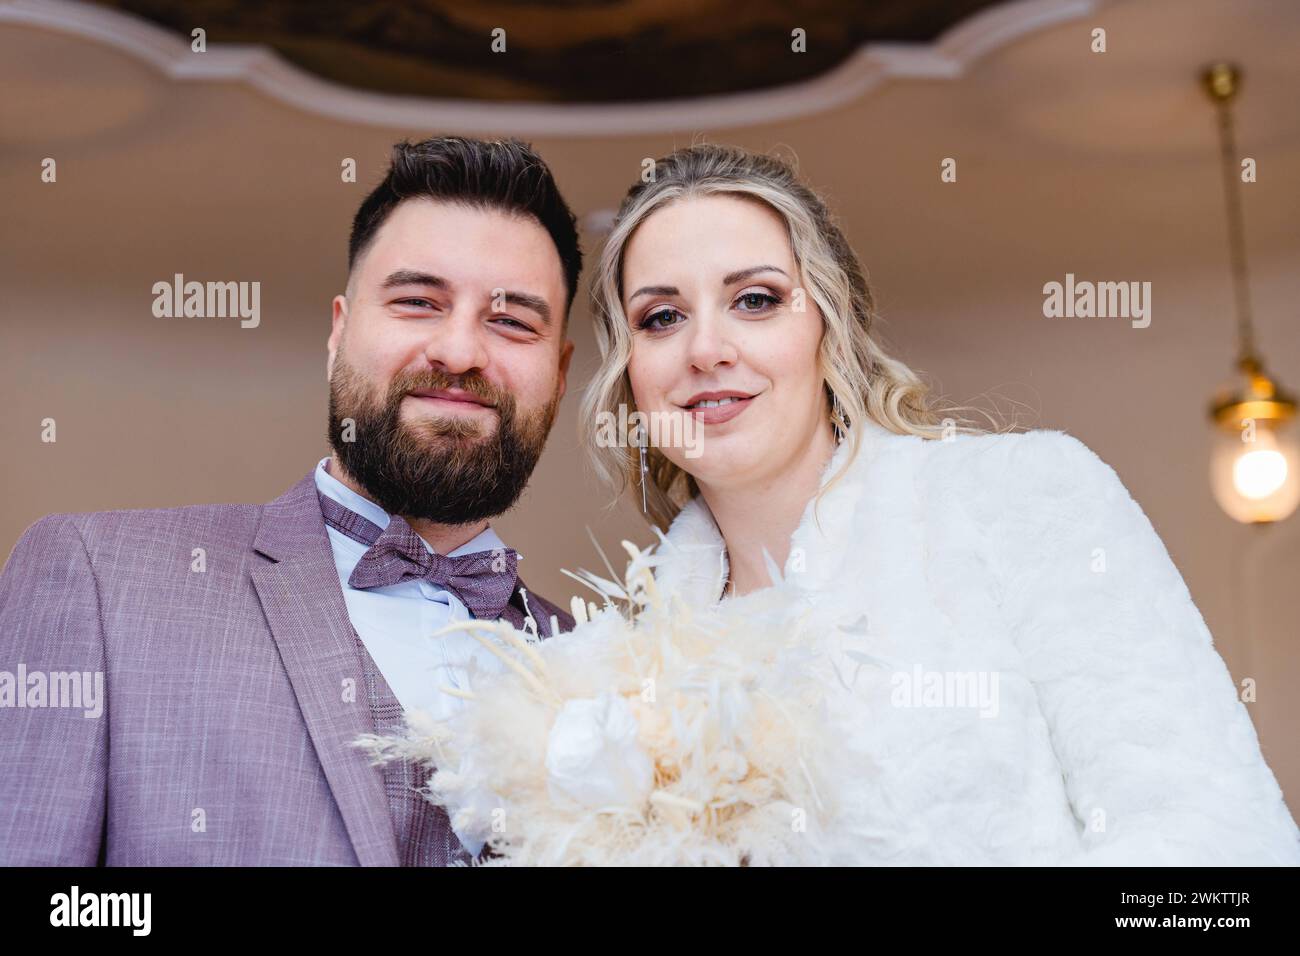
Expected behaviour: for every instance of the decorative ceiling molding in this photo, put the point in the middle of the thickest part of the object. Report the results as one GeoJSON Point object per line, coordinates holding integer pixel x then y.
{"type": "Point", "coordinates": [262, 68]}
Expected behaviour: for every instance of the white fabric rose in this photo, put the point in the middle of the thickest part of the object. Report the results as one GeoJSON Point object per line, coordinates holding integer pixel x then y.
{"type": "Point", "coordinates": [593, 758]}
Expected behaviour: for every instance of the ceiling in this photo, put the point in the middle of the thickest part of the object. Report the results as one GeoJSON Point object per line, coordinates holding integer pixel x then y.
{"type": "Point", "coordinates": [565, 51]}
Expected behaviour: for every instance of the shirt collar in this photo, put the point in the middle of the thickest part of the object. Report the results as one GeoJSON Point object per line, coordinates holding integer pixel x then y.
{"type": "Point", "coordinates": [327, 484]}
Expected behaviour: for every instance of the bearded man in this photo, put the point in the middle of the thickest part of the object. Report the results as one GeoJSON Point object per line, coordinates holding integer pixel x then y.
{"type": "Point", "coordinates": [242, 649]}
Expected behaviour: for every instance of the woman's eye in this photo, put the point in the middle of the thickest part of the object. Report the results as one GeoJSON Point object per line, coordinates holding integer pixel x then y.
{"type": "Point", "coordinates": [757, 301]}
{"type": "Point", "coordinates": [660, 319]}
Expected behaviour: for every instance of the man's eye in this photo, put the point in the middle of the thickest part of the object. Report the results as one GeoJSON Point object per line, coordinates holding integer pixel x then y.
{"type": "Point", "coordinates": [757, 301]}
{"type": "Point", "coordinates": [657, 320]}
{"type": "Point", "coordinates": [515, 322]}
{"type": "Point", "coordinates": [422, 303]}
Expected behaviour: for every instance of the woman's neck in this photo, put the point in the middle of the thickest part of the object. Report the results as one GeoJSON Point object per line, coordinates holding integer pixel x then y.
{"type": "Point", "coordinates": [765, 513]}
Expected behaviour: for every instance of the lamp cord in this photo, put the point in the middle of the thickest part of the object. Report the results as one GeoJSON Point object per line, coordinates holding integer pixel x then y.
{"type": "Point", "coordinates": [1236, 234]}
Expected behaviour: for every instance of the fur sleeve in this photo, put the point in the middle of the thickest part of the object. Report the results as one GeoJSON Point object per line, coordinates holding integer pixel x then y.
{"type": "Point", "coordinates": [1161, 762]}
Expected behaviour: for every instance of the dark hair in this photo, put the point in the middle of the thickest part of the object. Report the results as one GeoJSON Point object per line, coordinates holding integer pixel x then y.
{"type": "Point", "coordinates": [503, 174]}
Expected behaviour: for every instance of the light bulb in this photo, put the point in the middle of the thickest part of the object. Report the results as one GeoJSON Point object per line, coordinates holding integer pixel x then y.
{"type": "Point", "coordinates": [1255, 470]}
{"type": "Point", "coordinates": [1257, 474]}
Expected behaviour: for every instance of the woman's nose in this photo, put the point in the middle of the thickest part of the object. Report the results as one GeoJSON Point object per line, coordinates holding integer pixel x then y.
{"type": "Point", "coordinates": [711, 343]}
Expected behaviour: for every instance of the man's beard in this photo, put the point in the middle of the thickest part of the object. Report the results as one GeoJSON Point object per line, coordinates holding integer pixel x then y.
{"type": "Point", "coordinates": [440, 469]}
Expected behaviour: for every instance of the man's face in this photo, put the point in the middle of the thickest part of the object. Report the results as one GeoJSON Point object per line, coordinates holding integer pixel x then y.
{"type": "Point", "coordinates": [449, 355]}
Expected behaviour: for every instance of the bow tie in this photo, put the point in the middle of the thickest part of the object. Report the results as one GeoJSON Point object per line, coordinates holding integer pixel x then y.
{"type": "Point", "coordinates": [484, 581]}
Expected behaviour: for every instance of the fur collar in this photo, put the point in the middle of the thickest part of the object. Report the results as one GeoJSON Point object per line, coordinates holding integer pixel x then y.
{"type": "Point", "coordinates": [694, 564]}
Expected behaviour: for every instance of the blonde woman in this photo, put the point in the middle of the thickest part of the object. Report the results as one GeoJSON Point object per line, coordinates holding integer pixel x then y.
{"type": "Point", "coordinates": [1099, 726]}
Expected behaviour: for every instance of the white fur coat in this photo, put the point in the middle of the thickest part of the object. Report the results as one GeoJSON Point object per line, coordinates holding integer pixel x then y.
{"type": "Point", "coordinates": [1099, 724]}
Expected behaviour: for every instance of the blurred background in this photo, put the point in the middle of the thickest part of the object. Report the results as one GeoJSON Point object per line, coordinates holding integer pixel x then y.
{"type": "Point", "coordinates": [226, 165]}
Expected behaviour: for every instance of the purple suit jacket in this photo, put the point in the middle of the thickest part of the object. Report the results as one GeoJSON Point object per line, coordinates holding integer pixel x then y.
{"type": "Point", "coordinates": [224, 737]}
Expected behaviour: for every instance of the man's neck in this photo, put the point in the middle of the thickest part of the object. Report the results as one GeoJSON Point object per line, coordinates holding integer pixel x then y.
{"type": "Point", "coordinates": [443, 538]}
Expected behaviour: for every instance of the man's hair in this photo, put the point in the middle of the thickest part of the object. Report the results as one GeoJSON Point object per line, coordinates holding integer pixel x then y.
{"type": "Point", "coordinates": [505, 175]}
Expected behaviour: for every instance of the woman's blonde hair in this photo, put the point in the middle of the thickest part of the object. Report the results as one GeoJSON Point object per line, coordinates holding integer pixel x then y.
{"type": "Point", "coordinates": [861, 380]}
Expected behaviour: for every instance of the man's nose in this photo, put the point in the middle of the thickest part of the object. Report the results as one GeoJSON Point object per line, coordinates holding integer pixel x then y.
{"type": "Point", "coordinates": [457, 345]}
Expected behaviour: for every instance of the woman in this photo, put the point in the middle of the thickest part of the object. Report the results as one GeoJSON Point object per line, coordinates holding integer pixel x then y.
{"type": "Point", "coordinates": [1038, 686]}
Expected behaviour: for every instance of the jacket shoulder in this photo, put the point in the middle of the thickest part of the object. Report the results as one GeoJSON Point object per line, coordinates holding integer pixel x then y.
{"type": "Point", "coordinates": [1035, 454]}
{"type": "Point", "coordinates": [126, 533]}
{"type": "Point", "coordinates": [1034, 479]}
{"type": "Point", "coordinates": [163, 521]}
{"type": "Point", "coordinates": [1059, 465]}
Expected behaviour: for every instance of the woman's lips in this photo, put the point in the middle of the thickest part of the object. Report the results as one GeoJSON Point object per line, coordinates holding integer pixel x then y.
{"type": "Point", "coordinates": [717, 414]}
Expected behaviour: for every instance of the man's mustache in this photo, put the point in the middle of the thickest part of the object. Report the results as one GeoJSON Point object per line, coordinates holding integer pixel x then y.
{"type": "Point", "coordinates": [433, 380]}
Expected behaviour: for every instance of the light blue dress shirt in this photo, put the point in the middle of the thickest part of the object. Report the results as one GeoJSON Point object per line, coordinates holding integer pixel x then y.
{"type": "Point", "coordinates": [396, 622]}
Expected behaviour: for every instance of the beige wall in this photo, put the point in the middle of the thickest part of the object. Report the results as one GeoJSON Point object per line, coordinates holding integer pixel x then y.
{"type": "Point", "coordinates": [1067, 163]}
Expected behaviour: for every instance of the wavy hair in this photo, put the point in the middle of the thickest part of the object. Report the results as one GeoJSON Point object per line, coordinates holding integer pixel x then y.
{"type": "Point", "coordinates": [861, 380]}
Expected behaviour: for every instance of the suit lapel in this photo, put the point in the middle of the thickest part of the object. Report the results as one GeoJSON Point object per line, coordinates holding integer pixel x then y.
{"type": "Point", "coordinates": [304, 607]}
{"type": "Point", "coordinates": [541, 610]}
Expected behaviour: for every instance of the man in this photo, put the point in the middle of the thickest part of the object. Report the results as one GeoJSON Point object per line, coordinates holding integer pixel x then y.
{"type": "Point", "coordinates": [241, 649]}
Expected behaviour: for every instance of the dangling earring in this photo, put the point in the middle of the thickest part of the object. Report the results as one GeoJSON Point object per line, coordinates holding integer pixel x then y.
{"type": "Point", "coordinates": [837, 417]}
{"type": "Point", "coordinates": [645, 470]}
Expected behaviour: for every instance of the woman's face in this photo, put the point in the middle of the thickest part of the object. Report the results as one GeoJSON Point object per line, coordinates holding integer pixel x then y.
{"type": "Point", "coordinates": [710, 294]}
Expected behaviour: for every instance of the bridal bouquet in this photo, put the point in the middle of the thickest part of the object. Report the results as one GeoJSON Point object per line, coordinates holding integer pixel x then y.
{"type": "Point", "coordinates": [652, 734]}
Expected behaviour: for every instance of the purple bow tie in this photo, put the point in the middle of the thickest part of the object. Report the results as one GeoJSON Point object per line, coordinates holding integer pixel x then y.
{"type": "Point", "coordinates": [483, 581]}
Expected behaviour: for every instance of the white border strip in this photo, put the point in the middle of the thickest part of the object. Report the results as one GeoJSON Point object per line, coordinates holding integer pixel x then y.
{"type": "Point", "coordinates": [262, 68]}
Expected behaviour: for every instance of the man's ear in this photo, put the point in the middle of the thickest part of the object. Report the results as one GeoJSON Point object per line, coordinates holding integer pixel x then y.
{"type": "Point", "coordinates": [566, 355]}
{"type": "Point", "coordinates": [338, 321]}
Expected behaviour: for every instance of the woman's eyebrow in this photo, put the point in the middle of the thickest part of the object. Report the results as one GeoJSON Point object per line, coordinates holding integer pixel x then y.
{"type": "Point", "coordinates": [728, 279]}
{"type": "Point", "coordinates": [733, 277]}
{"type": "Point", "coordinates": [654, 290]}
